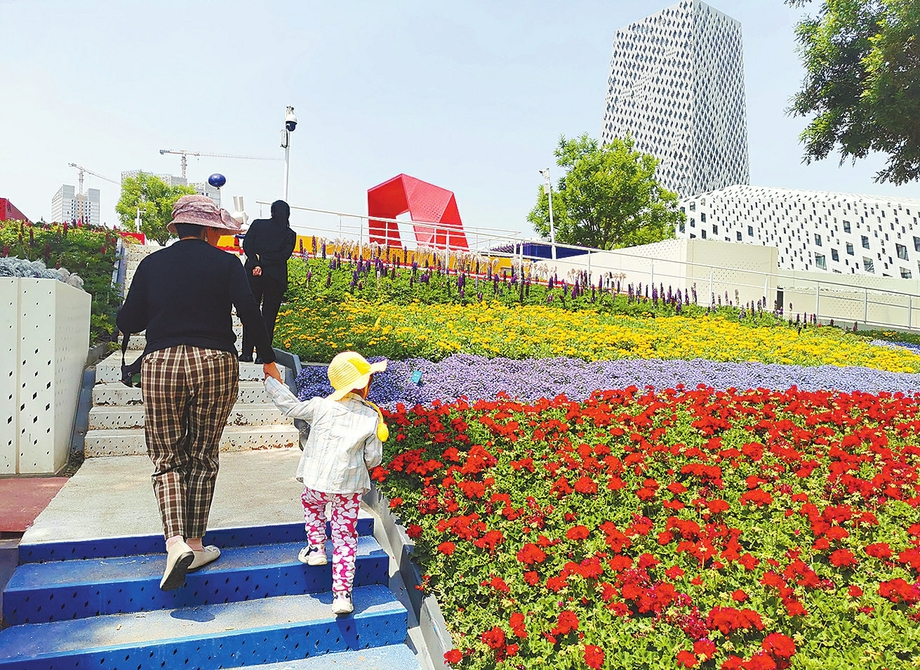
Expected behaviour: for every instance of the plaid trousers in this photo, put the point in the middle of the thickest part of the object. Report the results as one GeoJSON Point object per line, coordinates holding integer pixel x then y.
{"type": "Point", "coordinates": [188, 394]}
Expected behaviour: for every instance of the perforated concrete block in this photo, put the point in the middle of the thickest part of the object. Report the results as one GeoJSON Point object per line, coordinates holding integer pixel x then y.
{"type": "Point", "coordinates": [110, 417]}
{"type": "Point", "coordinates": [118, 394]}
{"type": "Point", "coordinates": [130, 442]}
{"type": "Point", "coordinates": [53, 341]}
{"type": "Point", "coordinates": [9, 373]}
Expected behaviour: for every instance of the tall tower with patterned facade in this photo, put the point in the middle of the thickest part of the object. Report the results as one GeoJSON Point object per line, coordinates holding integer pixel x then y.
{"type": "Point", "coordinates": [676, 86]}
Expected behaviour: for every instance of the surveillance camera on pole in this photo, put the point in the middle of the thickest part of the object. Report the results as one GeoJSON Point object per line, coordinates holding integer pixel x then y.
{"type": "Point", "coordinates": [290, 125]}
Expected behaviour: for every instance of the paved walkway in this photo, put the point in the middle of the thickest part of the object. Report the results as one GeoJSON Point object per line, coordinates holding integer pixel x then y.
{"type": "Point", "coordinates": [112, 497]}
{"type": "Point", "coordinates": [23, 498]}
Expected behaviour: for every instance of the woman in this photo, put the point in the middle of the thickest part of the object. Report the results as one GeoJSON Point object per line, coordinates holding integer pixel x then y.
{"type": "Point", "coordinates": [183, 297]}
{"type": "Point", "coordinates": [268, 244]}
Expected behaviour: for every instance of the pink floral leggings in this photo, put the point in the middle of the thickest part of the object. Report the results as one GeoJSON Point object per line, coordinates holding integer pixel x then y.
{"type": "Point", "coordinates": [344, 536]}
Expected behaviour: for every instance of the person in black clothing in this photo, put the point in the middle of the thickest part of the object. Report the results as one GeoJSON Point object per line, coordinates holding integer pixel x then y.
{"type": "Point", "coordinates": [268, 244]}
{"type": "Point", "coordinates": [183, 296]}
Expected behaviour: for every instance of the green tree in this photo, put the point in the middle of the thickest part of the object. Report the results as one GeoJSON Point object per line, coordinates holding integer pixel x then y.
{"type": "Point", "coordinates": [862, 83]}
{"type": "Point", "coordinates": [154, 198]}
{"type": "Point", "coordinates": [608, 198]}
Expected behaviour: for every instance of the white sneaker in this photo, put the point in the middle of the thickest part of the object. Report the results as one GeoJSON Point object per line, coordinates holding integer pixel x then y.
{"type": "Point", "coordinates": [312, 554]}
{"type": "Point", "coordinates": [342, 604]}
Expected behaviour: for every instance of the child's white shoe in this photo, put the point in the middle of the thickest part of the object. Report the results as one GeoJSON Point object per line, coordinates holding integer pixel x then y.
{"type": "Point", "coordinates": [312, 554]}
{"type": "Point", "coordinates": [342, 604]}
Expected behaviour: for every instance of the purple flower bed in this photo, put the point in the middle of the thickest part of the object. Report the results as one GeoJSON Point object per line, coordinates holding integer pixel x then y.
{"type": "Point", "coordinates": [478, 377]}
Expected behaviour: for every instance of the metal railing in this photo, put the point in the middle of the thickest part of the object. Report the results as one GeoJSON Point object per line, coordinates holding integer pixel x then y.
{"type": "Point", "coordinates": [826, 300]}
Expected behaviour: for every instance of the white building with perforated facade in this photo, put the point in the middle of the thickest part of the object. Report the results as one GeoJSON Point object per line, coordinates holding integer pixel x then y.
{"type": "Point", "coordinates": [813, 230]}
{"type": "Point", "coordinates": [676, 86]}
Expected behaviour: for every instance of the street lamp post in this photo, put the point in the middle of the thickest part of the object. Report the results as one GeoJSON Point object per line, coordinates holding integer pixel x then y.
{"type": "Point", "coordinates": [290, 124]}
{"type": "Point", "coordinates": [548, 189]}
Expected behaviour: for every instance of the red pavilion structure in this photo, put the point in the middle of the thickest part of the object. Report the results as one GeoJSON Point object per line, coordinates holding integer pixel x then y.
{"type": "Point", "coordinates": [425, 203]}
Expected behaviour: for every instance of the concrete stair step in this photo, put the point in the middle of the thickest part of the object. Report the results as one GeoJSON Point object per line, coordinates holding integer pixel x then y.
{"type": "Point", "coordinates": [106, 417]}
{"type": "Point", "coordinates": [138, 341]}
{"type": "Point", "coordinates": [377, 658]}
{"type": "Point", "coordinates": [250, 393]}
{"type": "Point", "coordinates": [108, 371]}
{"type": "Point", "coordinates": [131, 442]}
{"type": "Point", "coordinates": [265, 630]}
{"type": "Point", "coordinates": [75, 589]}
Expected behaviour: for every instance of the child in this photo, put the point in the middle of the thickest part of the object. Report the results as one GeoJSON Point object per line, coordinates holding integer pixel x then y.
{"type": "Point", "coordinates": [346, 439]}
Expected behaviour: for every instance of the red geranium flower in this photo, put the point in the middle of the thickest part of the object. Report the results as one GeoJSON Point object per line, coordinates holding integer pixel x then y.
{"type": "Point", "coordinates": [594, 656]}
{"type": "Point", "coordinates": [739, 596]}
{"type": "Point", "coordinates": [842, 558]}
{"type": "Point", "coordinates": [854, 591]}
{"type": "Point", "coordinates": [778, 646]}
{"type": "Point", "coordinates": [686, 659]}
{"type": "Point", "coordinates": [453, 656]}
{"type": "Point", "coordinates": [705, 648]}
{"type": "Point", "coordinates": [446, 548]}
{"type": "Point", "coordinates": [878, 550]}
{"type": "Point", "coordinates": [494, 638]}
{"type": "Point", "coordinates": [530, 554]}
{"type": "Point", "coordinates": [577, 533]}
{"type": "Point", "coordinates": [566, 623]}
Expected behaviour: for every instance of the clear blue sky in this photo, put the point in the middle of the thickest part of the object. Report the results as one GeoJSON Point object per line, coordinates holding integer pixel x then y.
{"type": "Point", "coordinates": [471, 96]}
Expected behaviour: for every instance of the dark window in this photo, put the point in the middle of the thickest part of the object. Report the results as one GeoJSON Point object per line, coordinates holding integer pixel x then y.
{"type": "Point", "coordinates": [820, 262]}
{"type": "Point", "coordinates": [868, 264]}
{"type": "Point", "coordinates": [916, 243]}
{"type": "Point", "coordinates": [834, 255]}
{"type": "Point", "coordinates": [817, 239]}
{"type": "Point", "coordinates": [751, 233]}
{"type": "Point", "coordinates": [906, 274]}
{"type": "Point", "coordinates": [865, 242]}
{"type": "Point", "coordinates": [849, 249]}
{"type": "Point", "coordinates": [738, 235]}
{"type": "Point", "coordinates": [703, 217]}
{"type": "Point", "coordinates": [703, 234]}
{"type": "Point", "coordinates": [902, 251]}
{"type": "Point", "coordinates": [846, 226]}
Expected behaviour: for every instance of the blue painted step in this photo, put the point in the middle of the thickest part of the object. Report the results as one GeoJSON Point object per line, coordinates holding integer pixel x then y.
{"type": "Point", "coordinates": [61, 590]}
{"type": "Point", "coordinates": [264, 631]}
{"type": "Point", "coordinates": [153, 544]}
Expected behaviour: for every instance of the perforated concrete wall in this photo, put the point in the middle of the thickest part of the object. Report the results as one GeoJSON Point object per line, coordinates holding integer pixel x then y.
{"type": "Point", "coordinates": [676, 86]}
{"type": "Point", "coordinates": [45, 360]}
{"type": "Point", "coordinates": [9, 372]}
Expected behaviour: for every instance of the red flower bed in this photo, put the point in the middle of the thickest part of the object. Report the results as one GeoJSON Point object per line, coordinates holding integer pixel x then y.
{"type": "Point", "coordinates": [693, 529]}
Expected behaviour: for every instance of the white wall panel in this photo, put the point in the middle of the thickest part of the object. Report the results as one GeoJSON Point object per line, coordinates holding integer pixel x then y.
{"type": "Point", "coordinates": [51, 347]}
{"type": "Point", "coordinates": [9, 375]}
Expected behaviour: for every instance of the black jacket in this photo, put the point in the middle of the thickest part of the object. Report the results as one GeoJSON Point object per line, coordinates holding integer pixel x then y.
{"type": "Point", "coordinates": [269, 243]}
{"type": "Point", "coordinates": [184, 294]}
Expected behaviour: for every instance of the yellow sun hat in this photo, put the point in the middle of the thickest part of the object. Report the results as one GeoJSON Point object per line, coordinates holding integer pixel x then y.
{"type": "Point", "coordinates": [350, 371]}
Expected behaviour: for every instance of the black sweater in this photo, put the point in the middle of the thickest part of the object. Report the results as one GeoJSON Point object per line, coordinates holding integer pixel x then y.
{"type": "Point", "coordinates": [183, 294]}
{"type": "Point", "coordinates": [269, 243]}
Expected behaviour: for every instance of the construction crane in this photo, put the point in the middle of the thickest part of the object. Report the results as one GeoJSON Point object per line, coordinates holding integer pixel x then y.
{"type": "Point", "coordinates": [81, 170]}
{"type": "Point", "coordinates": [185, 154]}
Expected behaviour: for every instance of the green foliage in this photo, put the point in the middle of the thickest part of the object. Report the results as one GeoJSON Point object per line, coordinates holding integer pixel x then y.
{"type": "Point", "coordinates": [609, 197]}
{"type": "Point", "coordinates": [85, 250]}
{"type": "Point", "coordinates": [155, 199]}
{"type": "Point", "coordinates": [862, 76]}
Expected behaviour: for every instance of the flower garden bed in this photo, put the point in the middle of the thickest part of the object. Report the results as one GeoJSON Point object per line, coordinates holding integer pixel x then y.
{"type": "Point", "coordinates": [667, 529]}
{"type": "Point", "coordinates": [673, 522]}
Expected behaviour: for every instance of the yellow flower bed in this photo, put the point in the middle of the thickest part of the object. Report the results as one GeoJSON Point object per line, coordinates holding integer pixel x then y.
{"type": "Point", "coordinates": [435, 331]}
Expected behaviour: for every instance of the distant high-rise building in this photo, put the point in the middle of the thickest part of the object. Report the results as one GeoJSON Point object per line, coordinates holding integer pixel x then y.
{"type": "Point", "coordinates": [202, 188]}
{"type": "Point", "coordinates": [65, 205]}
{"type": "Point", "coordinates": [676, 86]}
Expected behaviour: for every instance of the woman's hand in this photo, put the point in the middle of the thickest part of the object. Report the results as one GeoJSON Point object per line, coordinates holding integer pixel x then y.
{"type": "Point", "coordinates": [257, 271]}
{"type": "Point", "coordinates": [271, 370]}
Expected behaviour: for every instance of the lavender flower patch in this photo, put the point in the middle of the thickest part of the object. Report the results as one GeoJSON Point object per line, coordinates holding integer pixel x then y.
{"type": "Point", "coordinates": [478, 377]}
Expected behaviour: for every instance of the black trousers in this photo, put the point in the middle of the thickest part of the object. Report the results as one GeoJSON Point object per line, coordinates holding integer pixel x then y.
{"type": "Point", "coordinates": [268, 293]}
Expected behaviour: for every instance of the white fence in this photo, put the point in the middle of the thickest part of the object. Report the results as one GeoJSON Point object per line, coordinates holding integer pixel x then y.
{"type": "Point", "coordinates": [44, 339]}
